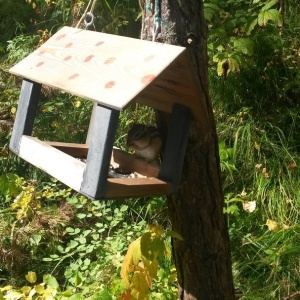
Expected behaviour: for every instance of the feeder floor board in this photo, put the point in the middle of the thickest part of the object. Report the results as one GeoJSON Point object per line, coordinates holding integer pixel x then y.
{"type": "Point", "coordinates": [65, 168]}
{"type": "Point", "coordinates": [134, 187]}
{"type": "Point", "coordinates": [70, 170]}
{"type": "Point", "coordinates": [127, 162]}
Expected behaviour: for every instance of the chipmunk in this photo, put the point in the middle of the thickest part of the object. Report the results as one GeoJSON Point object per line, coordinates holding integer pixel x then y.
{"type": "Point", "coordinates": [146, 141]}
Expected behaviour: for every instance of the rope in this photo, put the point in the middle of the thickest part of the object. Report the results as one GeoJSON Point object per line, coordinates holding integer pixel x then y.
{"type": "Point", "coordinates": [88, 15]}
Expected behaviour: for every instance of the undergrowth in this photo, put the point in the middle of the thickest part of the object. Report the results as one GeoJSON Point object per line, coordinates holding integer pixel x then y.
{"type": "Point", "coordinates": [75, 246]}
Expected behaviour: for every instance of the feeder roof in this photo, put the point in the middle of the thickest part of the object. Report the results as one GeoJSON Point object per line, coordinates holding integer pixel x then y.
{"type": "Point", "coordinates": [113, 70]}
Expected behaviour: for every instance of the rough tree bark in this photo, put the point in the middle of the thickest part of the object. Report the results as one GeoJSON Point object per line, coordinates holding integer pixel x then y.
{"type": "Point", "coordinates": [203, 259]}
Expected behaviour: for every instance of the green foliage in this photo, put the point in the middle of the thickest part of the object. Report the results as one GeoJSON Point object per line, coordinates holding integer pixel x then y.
{"type": "Point", "coordinates": [141, 265]}
{"type": "Point", "coordinates": [20, 47]}
{"type": "Point", "coordinates": [257, 111]}
{"type": "Point", "coordinates": [254, 45]}
{"type": "Point", "coordinates": [47, 290]}
{"type": "Point", "coordinates": [234, 36]}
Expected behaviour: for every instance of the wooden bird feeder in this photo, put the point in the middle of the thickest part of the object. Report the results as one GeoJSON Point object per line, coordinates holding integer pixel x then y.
{"type": "Point", "coordinates": [112, 71]}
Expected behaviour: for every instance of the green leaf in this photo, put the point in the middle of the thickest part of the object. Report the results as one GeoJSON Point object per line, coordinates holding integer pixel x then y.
{"type": "Point", "coordinates": [151, 247]}
{"type": "Point", "coordinates": [81, 216]}
{"type": "Point", "coordinates": [269, 4]}
{"type": "Point", "coordinates": [31, 277]}
{"type": "Point", "coordinates": [269, 15]}
{"type": "Point", "coordinates": [76, 297]}
{"type": "Point", "coordinates": [233, 64]}
{"type": "Point", "coordinates": [246, 45]}
{"type": "Point", "coordinates": [51, 281]}
{"type": "Point", "coordinates": [82, 240]}
{"type": "Point", "coordinates": [68, 273]}
{"type": "Point", "coordinates": [103, 295]}
{"type": "Point", "coordinates": [47, 259]}
{"type": "Point", "coordinates": [78, 278]}
{"type": "Point", "coordinates": [174, 235]}
{"type": "Point", "coordinates": [220, 56]}
{"type": "Point", "coordinates": [73, 244]}
{"type": "Point", "coordinates": [250, 26]}
{"type": "Point", "coordinates": [124, 208]}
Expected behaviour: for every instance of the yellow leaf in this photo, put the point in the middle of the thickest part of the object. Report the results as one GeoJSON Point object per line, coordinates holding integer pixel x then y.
{"type": "Point", "coordinates": [285, 226]}
{"type": "Point", "coordinates": [54, 124]}
{"type": "Point", "coordinates": [77, 103]}
{"type": "Point", "coordinates": [127, 262]}
{"type": "Point", "coordinates": [136, 254]}
{"type": "Point", "coordinates": [139, 286]}
{"type": "Point", "coordinates": [26, 290]}
{"type": "Point", "coordinates": [31, 277]}
{"type": "Point", "coordinates": [249, 206]}
{"type": "Point", "coordinates": [49, 293]}
{"type": "Point", "coordinates": [6, 288]}
{"type": "Point", "coordinates": [156, 230]}
{"type": "Point", "coordinates": [39, 289]}
{"type": "Point", "coordinates": [13, 295]}
{"type": "Point", "coordinates": [151, 268]}
{"type": "Point", "coordinates": [272, 225]}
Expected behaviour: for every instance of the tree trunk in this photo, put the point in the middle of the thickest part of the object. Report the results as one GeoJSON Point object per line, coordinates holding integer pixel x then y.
{"type": "Point", "coordinates": [203, 259]}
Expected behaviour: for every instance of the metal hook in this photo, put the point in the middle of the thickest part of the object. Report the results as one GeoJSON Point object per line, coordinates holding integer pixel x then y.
{"type": "Point", "coordinates": [88, 20]}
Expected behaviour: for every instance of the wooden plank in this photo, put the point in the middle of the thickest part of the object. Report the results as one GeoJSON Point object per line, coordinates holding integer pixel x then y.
{"type": "Point", "coordinates": [28, 101]}
{"type": "Point", "coordinates": [70, 171]}
{"type": "Point", "coordinates": [65, 168]}
{"type": "Point", "coordinates": [92, 120]}
{"type": "Point", "coordinates": [131, 163]}
{"type": "Point", "coordinates": [136, 187]}
{"type": "Point", "coordinates": [176, 84]}
{"type": "Point", "coordinates": [103, 130]}
{"type": "Point", "coordinates": [127, 162]}
{"type": "Point", "coordinates": [108, 69]}
{"type": "Point", "coordinates": [73, 149]}
{"type": "Point", "coordinates": [175, 146]}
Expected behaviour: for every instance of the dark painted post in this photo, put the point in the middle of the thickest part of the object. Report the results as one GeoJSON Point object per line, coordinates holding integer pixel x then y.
{"type": "Point", "coordinates": [101, 138]}
{"type": "Point", "coordinates": [175, 146]}
{"type": "Point", "coordinates": [27, 107]}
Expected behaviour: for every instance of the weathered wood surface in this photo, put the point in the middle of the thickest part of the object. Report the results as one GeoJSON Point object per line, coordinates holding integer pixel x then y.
{"type": "Point", "coordinates": [70, 170]}
{"type": "Point", "coordinates": [174, 85]}
{"type": "Point", "coordinates": [135, 187]}
{"type": "Point", "coordinates": [108, 69]}
{"type": "Point", "coordinates": [131, 163]}
{"type": "Point", "coordinates": [127, 162]}
{"type": "Point", "coordinates": [114, 70]}
{"type": "Point", "coordinates": [23, 125]}
{"type": "Point", "coordinates": [73, 149]}
{"type": "Point", "coordinates": [65, 168]}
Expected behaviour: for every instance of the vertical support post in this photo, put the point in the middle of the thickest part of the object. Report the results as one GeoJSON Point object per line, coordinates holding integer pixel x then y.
{"type": "Point", "coordinates": [27, 107]}
{"type": "Point", "coordinates": [89, 134]}
{"type": "Point", "coordinates": [175, 146]}
{"type": "Point", "coordinates": [101, 138]}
